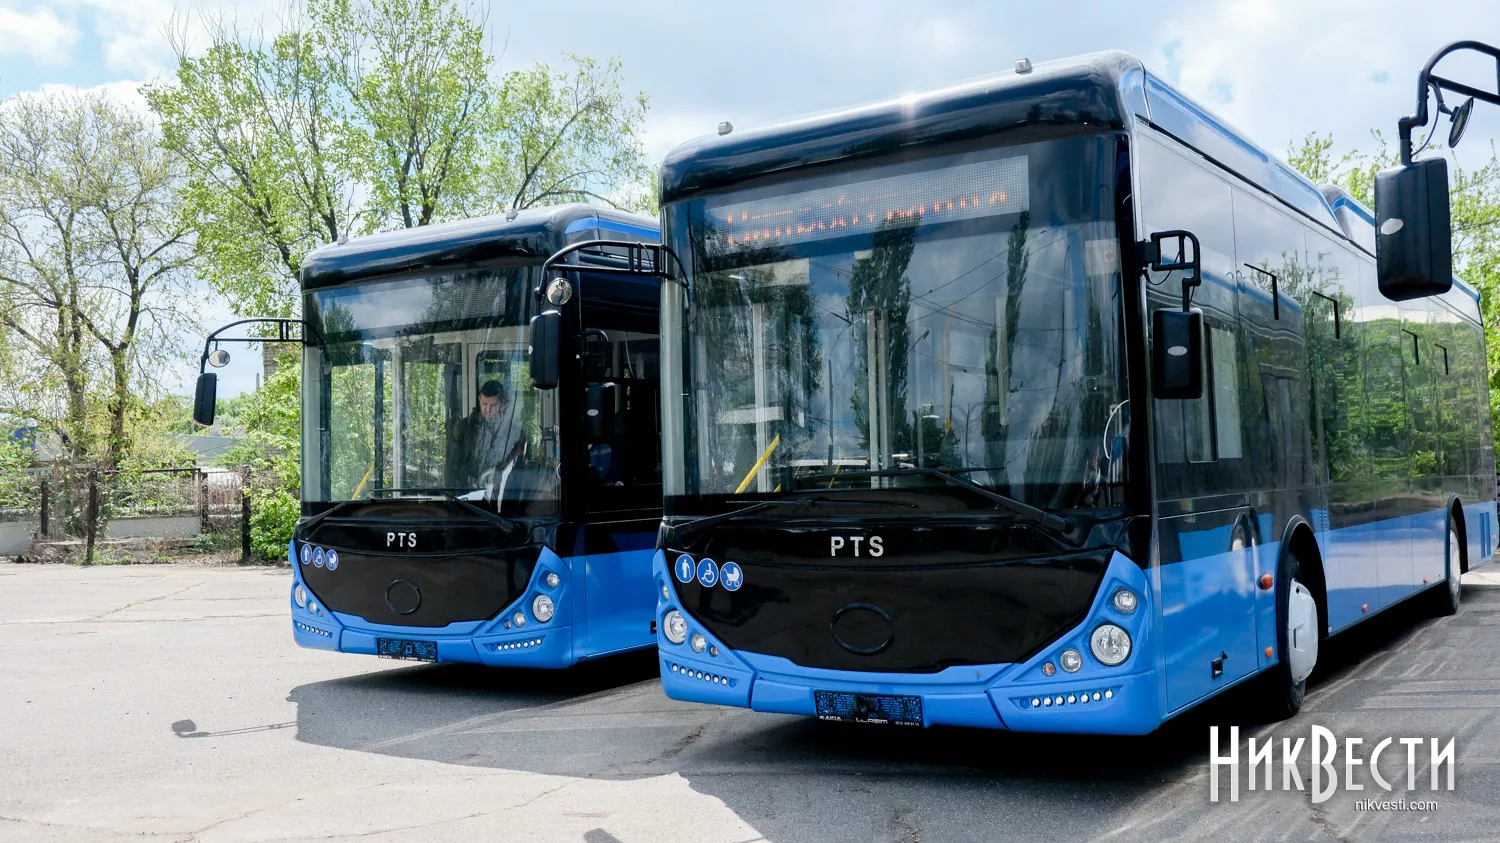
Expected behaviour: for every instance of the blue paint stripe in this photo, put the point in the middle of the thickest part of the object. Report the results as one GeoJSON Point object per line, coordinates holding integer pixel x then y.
{"type": "Point", "coordinates": [610, 225]}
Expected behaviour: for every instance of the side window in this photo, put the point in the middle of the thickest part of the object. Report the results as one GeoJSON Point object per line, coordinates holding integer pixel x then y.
{"type": "Point", "coordinates": [1226, 393]}
{"type": "Point", "coordinates": [1335, 379]}
{"type": "Point", "coordinates": [1384, 347]}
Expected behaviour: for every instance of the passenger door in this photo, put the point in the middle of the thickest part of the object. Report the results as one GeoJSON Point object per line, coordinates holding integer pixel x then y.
{"type": "Point", "coordinates": [619, 481]}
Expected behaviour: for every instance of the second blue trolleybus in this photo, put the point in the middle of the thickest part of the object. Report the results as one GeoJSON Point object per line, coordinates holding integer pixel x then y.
{"type": "Point", "coordinates": [450, 511]}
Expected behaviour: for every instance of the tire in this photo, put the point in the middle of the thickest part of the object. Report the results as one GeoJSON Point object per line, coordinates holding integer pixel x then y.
{"type": "Point", "coordinates": [1448, 597]}
{"type": "Point", "coordinates": [1282, 695]}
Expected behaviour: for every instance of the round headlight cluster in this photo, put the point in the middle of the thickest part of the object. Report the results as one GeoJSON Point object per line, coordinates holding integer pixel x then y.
{"type": "Point", "coordinates": [542, 608]}
{"type": "Point", "coordinates": [1111, 644]}
{"type": "Point", "coordinates": [519, 618]}
{"type": "Point", "coordinates": [674, 626]}
{"type": "Point", "coordinates": [299, 594]}
{"type": "Point", "coordinates": [699, 643]}
{"type": "Point", "coordinates": [1125, 600]}
{"type": "Point", "coordinates": [552, 579]}
{"type": "Point", "coordinates": [665, 593]}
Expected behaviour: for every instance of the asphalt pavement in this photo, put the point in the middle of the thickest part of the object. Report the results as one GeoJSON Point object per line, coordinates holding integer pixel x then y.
{"type": "Point", "coordinates": [168, 702]}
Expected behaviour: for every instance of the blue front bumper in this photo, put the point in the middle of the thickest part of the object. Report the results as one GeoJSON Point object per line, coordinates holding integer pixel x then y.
{"type": "Point", "coordinates": [1019, 697]}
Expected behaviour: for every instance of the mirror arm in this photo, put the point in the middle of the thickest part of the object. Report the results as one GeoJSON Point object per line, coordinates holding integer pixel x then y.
{"type": "Point", "coordinates": [283, 334]}
{"type": "Point", "coordinates": [1151, 256]}
{"type": "Point", "coordinates": [1425, 79]}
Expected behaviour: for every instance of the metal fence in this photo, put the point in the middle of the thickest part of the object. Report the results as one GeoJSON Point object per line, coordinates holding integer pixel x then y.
{"type": "Point", "coordinates": [83, 503]}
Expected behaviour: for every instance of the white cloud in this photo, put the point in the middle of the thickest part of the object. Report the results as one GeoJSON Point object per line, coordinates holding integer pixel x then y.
{"type": "Point", "coordinates": [38, 33]}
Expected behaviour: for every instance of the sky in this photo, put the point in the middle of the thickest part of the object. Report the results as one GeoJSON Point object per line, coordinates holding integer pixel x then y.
{"type": "Point", "coordinates": [1275, 69]}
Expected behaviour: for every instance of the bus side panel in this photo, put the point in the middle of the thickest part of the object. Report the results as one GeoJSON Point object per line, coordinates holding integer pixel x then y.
{"type": "Point", "coordinates": [1479, 522]}
{"type": "Point", "coordinates": [620, 595]}
{"type": "Point", "coordinates": [1208, 604]}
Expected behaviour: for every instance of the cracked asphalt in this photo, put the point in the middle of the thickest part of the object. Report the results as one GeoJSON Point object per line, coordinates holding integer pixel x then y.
{"type": "Point", "coordinates": [169, 703]}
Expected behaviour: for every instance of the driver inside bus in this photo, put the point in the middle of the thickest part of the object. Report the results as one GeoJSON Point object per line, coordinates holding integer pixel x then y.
{"type": "Point", "coordinates": [488, 439]}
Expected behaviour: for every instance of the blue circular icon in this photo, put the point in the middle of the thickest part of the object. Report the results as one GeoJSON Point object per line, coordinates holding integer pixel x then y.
{"type": "Point", "coordinates": [684, 568]}
{"type": "Point", "coordinates": [307, 554]}
{"type": "Point", "coordinates": [708, 573]}
{"type": "Point", "coordinates": [733, 576]}
{"type": "Point", "coordinates": [318, 557]}
{"type": "Point", "coordinates": [332, 558]}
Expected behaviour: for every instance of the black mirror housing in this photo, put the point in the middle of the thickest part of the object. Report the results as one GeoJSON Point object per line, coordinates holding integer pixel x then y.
{"type": "Point", "coordinates": [205, 398]}
{"type": "Point", "coordinates": [1413, 234]}
{"type": "Point", "coordinates": [1177, 354]}
{"type": "Point", "coordinates": [546, 349]}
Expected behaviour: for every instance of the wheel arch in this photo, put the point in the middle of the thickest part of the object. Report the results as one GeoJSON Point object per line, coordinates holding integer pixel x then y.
{"type": "Point", "coordinates": [1456, 519]}
{"type": "Point", "coordinates": [1298, 539]}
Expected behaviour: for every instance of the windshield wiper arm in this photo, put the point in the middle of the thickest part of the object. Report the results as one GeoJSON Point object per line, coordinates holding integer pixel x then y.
{"type": "Point", "coordinates": [680, 531]}
{"type": "Point", "coordinates": [1052, 522]}
{"type": "Point", "coordinates": [506, 524]}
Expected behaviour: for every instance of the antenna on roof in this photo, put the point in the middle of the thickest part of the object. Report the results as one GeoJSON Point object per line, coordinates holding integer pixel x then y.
{"type": "Point", "coordinates": [726, 127]}
{"type": "Point", "coordinates": [1023, 65]}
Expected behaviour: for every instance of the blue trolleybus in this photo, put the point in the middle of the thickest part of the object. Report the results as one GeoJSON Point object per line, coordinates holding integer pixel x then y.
{"type": "Point", "coordinates": [1045, 402]}
{"type": "Point", "coordinates": [450, 511]}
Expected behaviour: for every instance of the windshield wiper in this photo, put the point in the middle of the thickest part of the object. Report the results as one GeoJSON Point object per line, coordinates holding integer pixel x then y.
{"type": "Point", "coordinates": [506, 524]}
{"type": "Point", "coordinates": [1046, 519]}
{"type": "Point", "coordinates": [680, 531]}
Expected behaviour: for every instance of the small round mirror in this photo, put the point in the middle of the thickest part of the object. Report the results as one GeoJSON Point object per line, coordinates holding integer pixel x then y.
{"type": "Point", "coordinates": [1460, 122]}
{"type": "Point", "coordinates": [218, 358]}
{"type": "Point", "coordinates": [559, 292]}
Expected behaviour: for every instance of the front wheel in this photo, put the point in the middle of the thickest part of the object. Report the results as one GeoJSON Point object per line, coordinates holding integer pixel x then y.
{"type": "Point", "coordinates": [1448, 598]}
{"type": "Point", "coordinates": [1297, 638]}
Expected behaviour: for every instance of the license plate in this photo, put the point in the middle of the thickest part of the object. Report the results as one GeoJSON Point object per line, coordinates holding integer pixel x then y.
{"type": "Point", "coordinates": [401, 648]}
{"type": "Point", "coordinates": [889, 709]}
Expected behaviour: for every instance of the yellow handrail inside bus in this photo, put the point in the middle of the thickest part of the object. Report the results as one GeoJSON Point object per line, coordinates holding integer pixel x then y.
{"type": "Point", "coordinates": [744, 484]}
{"type": "Point", "coordinates": [361, 486]}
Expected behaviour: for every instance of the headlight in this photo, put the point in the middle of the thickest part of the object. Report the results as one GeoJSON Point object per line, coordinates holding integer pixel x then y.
{"type": "Point", "coordinates": [542, 608]}
{"type": "Point", "coordinates": [299, 594]}
{"type": "Point", "coordinates": [1111, 644]}
{"type": "Point", "coordinates": [519, 619]}
{"type": "Point", "coordinates": [674, 626]}
{"type": "Point", "coordinates": [552, 579]}
{"type": "Point", "coordinates": [1125, 600]}
{"type": "Point", "coordinates": [1070, 660]}
{"type": "Point", "coordinates": [312, 606]}
{"type": "Point", "coordinates": [665, 594]}
{"type": "Point", "coordinates": [699, 643]}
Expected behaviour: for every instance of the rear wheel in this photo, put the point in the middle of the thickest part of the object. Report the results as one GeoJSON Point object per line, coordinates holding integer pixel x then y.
{"type": "Point", "coordinates": [1448, 598]}
{"type": "Point", "coordinates": [1297, 638]}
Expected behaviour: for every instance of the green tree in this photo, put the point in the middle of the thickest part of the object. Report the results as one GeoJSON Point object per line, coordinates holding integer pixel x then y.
{"type": "Point", "coordinates": [93, 272]}
{"type": "Point", "coordinates": [363, 115]}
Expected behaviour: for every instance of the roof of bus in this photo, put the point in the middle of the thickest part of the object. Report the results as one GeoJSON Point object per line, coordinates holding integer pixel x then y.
{"type": "Point", "coordinates": [1098, 90]}
{"type": "Point", "coordinates": [531, 234]}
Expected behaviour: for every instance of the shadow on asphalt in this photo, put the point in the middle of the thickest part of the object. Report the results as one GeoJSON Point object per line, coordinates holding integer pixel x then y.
{"type": "Point", "coordinates": [610, 720]}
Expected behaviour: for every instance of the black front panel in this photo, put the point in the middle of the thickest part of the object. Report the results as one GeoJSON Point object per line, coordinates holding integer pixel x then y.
{"type": "Point", "coordinates": [936, 596]}
{"type": "Point", "coordinates": [425, 564]}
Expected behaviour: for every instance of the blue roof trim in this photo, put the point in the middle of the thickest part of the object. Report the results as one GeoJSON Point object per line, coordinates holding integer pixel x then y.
{"type": "Point", "coordinates": [1174, 112]}
{"type": "Point", "coordinates": [1356, 208]}
{"type": "Point", "coordinates": [610, 225]}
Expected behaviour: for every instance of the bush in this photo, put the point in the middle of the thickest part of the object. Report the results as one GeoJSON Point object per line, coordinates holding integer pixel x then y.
{"type": "Point", "coordinates": [273, 516]}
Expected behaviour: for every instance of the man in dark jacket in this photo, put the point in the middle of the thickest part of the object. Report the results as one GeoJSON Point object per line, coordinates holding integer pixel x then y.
{"type": "Point", "coordinates": [484, 441]}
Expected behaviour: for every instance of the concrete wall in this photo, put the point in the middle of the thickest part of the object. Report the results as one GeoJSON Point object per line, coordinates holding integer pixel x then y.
{"type": "Point", "coordinates": [15, 537]}
{"type": "Point", "coordinates": [165, 527]}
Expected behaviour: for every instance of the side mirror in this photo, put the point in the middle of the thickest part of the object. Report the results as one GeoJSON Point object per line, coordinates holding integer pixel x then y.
{"type": "Point", "coordinates": [602, 411]}
{"type": "Point", "coordinates": [1177, 354]}
{"type": "Point", "coordinates": [546, 348]}
{"type": "Point", "coordinates": [205, 398]}
{"type": "Point", "coordinates": [1413, 237]}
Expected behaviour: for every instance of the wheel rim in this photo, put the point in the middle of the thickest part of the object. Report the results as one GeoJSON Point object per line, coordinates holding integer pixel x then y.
{"type": "Point", "coordinates": [1308, 647]}
{"type": "Point", "coordinates": [1455, 586]}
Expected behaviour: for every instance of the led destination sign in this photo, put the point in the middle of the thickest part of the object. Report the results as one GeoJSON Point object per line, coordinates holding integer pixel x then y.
{"type": "Point", "coordinates": [950, 194]}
